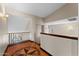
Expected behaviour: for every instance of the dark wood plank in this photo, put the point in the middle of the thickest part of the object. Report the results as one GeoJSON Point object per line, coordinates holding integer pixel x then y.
{"type": "Point", "coordinates": [62, 36]}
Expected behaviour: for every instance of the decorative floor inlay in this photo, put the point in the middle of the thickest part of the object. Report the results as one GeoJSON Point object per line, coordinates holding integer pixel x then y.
{"type": "Point", "coordinates": [27, 48]}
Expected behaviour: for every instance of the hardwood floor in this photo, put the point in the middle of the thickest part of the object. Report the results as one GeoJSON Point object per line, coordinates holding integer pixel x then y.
{"type": "Point", "coordinates": [26, 48]}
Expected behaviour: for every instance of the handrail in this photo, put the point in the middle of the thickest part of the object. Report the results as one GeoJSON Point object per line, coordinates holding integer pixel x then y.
{"type": "Point", "coordinates": [18, 32]}
{"type": "Point", "coordinates": [16, 35]}
{"type": "Point", "coordinates": [62, 36]}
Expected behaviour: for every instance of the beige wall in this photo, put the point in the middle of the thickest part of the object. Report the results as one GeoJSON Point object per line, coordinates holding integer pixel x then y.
{"type": "Point", "coordinates": [68, 10]}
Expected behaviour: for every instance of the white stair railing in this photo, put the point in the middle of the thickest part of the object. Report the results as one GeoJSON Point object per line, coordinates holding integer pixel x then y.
{"type": "Point", "coordinates": [18, 37]}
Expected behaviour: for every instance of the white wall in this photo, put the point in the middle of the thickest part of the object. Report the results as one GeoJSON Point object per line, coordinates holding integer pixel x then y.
{"type": "Point", "coordinates": [3, 35]}
{"type": "Point", "coordinates": [24, 24]}
{"type": "Point", "coordinates": [3, 43]}
{"type": "Point", "coordinates": [63, 27]}
{"type": "Point", "coordinates": [58, 46]}
{"type": "Point", "coordinates": [19, 23]}
{"type": "Point", "coordinates": [38, 23]}
{"type": "Point", "coordinates": [78, 29]}
{"type": "Point", "coordinates": [69, 29]}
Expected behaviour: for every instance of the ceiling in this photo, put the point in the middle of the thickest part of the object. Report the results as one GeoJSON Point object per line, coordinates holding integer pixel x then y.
{"type": "Point", "coordinates": [37, 9]}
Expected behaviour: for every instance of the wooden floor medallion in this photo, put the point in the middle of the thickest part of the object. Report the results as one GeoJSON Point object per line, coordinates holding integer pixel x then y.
{"type": "Point", "coordinates": [27, 48]}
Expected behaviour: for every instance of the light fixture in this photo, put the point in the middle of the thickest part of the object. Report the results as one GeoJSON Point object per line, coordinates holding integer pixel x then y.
{"type": "Point", "coordinates": [3, 13]}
